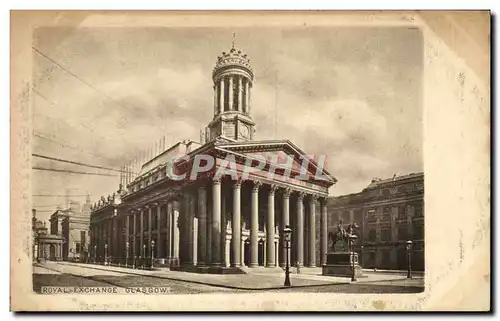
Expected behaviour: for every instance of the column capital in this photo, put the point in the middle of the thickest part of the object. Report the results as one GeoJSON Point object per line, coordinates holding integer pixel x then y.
{"type": "Point", "coordinates": [300, 196]}
{"type": "Point", "coordinates": [287, 191]}
{"type": "Point", "coordinates": [237, 183]}
{"type": "Point", "coordinates": [314, 197]}
{"type": "Point", "coordinates": [256, 185]}
{"type": "Point", "coordinates": [273, 188]}
{"type": "Point", "coordinates": [216, 180]}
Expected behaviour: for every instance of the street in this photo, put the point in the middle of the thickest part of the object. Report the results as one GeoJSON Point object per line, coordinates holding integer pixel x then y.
{"type": "Point", "coordinates": [66, 274]}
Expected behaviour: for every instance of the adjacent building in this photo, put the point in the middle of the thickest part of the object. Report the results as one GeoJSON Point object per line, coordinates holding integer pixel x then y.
{"type": "Point", "coordinates": [211, 222]}
{"type": "Point", "coordinates": [46, 246]}
{"type": "Point", "coordinates": [73, 224]}
{"type": "Point", "coordinates": [389, 212]}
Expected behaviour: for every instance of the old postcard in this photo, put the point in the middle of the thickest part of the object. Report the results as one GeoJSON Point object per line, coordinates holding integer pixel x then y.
{"type": "Point", "coordinates": [250, 161]}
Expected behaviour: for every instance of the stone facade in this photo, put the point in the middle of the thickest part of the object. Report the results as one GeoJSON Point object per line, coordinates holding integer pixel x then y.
{"type": "Point", "coordinates": [212, 221]}
{"type": "Point", "coordinates": [45, 246]}
{"type": "Point", "coordinates": [389, 212]}
{"type": "Point", "coordinates": [73, 225]}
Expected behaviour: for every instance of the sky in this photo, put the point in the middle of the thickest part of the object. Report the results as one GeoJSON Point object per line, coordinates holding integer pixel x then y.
{"type": "Point", "coordinates": [352, 93]}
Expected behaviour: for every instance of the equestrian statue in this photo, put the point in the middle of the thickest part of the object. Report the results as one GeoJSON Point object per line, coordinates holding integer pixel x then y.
{"type": "Point", "coordinates": [342, 235]}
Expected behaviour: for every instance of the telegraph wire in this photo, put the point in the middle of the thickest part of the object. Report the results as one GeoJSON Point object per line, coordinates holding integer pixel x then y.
{"type": "Point", "coordinates": [77, 163]}
{"type": "Point", "coordinates": [77, 77]}
{"type": "Point", "coordinates": [67, 145]}
{"type": "Point", "coordinates": [71, 172]}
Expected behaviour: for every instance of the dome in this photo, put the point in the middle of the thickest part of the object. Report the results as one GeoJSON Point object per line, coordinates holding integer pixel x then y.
{"type": "Point", "coordinates": [233, 58]}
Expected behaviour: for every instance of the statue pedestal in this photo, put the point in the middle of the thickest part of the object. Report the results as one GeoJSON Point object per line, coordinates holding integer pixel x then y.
{"type": "Point", "coordinates": [340, 264]}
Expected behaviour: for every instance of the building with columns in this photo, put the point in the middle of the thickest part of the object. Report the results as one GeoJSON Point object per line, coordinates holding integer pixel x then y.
{"type": "Point", "coordinates": [389, 212]}
{"type": "Point", "coordinates": [208, 222]}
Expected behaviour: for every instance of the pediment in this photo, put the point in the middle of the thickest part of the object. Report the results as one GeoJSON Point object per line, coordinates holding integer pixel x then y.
{"type": "Point", "coordinates": [283, 153]}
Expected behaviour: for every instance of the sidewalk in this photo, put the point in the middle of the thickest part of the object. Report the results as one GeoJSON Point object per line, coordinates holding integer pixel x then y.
{"type": "Point", "coordinates": [254, 281]}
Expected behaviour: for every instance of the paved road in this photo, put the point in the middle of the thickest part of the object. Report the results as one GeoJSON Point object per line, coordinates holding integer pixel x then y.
{"type": "Point", "coordinates": [58, 275]}
{"type": "Point", "coordinates": [53, 274]}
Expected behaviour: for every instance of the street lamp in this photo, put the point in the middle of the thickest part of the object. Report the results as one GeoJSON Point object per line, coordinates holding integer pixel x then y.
{"type": "Point", "coordinates": [361, 255]}
{"type": "Point", "coordinates": [105, 253]}
{"type": "Point", "coordinates": [152, 253]}
{"type": "Point", "coordinates": [287, 233]}
{"type": "Point", "coordinates": [127, 245]}
{"type": "Point", "coordinates": [143, 255]}
{"type": "Point", "coordinates": [409, 245]}
{"type": "Point", "coordinates": [352, 239]}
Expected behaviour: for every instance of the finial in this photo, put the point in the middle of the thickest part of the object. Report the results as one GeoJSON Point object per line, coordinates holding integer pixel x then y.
{"type": "Point", "coordinates": [234, 36]}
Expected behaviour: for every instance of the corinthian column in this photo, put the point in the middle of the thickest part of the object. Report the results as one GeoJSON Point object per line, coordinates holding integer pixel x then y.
{"type": "Point", "coordinates": [221, 94]}
{"type": "Point", "coordinates": [240, 94]}
{"type": "Point", "coordinates": [236, 225]}
{"type": "Point", "coordinates": [271, 253]}
{"type": "Point", "coordinates": [231, 93]}
{"type": "Point", "coordinates": [300, 229]}
{"type": "Point", "coordinates": [247, 95]}
{"type": "Point", "coordinates": [216, 218]}
{"type": "Point", "coordinates": [312, 231]}
{"type": "Point", "coordinates": [324, 230]}
{"type": "Point", "coordinates": [202, 226]}
{"type": "Point", "coordinates": [254, 226]}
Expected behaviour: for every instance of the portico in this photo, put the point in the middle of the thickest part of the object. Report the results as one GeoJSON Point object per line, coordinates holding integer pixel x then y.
{"type": "Point", "coordinates": [223, 202]}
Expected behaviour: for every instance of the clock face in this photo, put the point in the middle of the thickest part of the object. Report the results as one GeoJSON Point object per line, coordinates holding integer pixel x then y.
{"type": "Point", "coordinates": [244, 132]}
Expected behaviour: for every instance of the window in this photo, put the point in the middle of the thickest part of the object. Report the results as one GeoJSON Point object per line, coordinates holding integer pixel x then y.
{"type": "Point", "coordinates": [385, 192]}
{"type": "Point", "coordinates": [402, 233]}
{"type": "Point", "coordinates": [78, 248]}
{"type": "Point", "coordinates": [372, 235]}
{"type": "Point", "coordinates": [386, 234]}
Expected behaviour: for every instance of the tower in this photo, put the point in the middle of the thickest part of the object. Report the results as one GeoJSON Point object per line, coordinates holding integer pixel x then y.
{"type": "Point", "coordinates": [233, 78]}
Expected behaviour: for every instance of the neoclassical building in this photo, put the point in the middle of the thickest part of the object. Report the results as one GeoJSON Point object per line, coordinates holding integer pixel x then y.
{"type": "Point", "coordinates": [389, 212]}
{"type": "Point", "coordinates": [210, 222]}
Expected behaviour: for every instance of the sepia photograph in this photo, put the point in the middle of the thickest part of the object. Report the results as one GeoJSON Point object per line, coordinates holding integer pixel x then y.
{"type": "Point", "coordinates": [177, 154]}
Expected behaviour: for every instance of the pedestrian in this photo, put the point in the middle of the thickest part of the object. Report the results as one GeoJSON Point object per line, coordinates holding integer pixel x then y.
{"type": "Point", "coordinates": [298, 267]}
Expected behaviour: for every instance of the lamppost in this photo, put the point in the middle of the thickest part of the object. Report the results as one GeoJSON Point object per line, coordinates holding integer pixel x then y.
{"type": "Point", "coordinates": [287, 233]}
{"type": "Point", "coordinates": [95, 254]}
{"type": "Point", "coordinates": [127, 245]}
{"type": "Point", "coordinates": [105, 253]}
{"type": "Point", "coordinates": [143, 255]}
{"type": "Point", "coordinates": [352, 239]}
{"type": "Point", "coordinates": [361, 255]}
{"type": "Point", "coordinates": [152, 254]}
{"type": "Point", "coordinates": [409, 245]}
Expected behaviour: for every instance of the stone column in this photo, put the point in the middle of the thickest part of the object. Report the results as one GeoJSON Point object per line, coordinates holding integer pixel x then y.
{"type": "Point", "coordinates": [285, 220]}
{"type": "Point", "coordinates": [300, 230]}
{"type": "Point", "coordinates": [271, 254]}
{"type": "Point", "coordinates": [240, 94]}
{"type": "Point", "coordinates": [141, 239]}
{"type": "Point", "coordinates": [216, 218]}
{"type": "Point", "coordinates": [312, 231]}
{"type": "Point", "coordinates": [324, 231]}
{"type": "Point", "coordinates": [150, 235]}
{"type": "Point", "coordinates": [208, 229]}
{"type": "Point", "coordinates": [236, 225]}
{"type": "Point", "coordinates": [247, 94]}
{"type": "Point", "coordinates": [254, 226]}
{"type": "Point", "coordinates": [134, 240]}
{"type": "Point", "coordinates": [221, 94]}
{"type": "Point", "coordinates": [159, 244]}
{"type": "Point", "coordinates": [216, 107]}
{"type": "Point", "coordinates": [231, 93]}
{"type": "Point", "coordinates": [202, 226]}
{"type": "Point", "coordinates": [127, 234]}
{"type": "Point", "coordinates": [175, 231]}
{"type": "Point", "coordinates": [188, 229]}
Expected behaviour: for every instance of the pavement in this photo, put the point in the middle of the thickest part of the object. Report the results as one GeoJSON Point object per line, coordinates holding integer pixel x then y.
{"type": "Point", "coordinates": [260, 278]}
